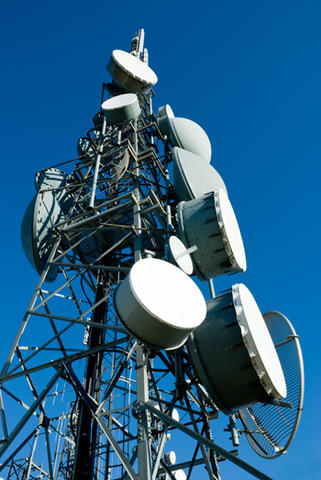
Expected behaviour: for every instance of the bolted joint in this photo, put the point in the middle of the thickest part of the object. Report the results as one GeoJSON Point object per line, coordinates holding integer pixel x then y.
{"type": "Point", "coordinates": [44, 421]}
{"type": "Point", "coordinates": [138, 409]}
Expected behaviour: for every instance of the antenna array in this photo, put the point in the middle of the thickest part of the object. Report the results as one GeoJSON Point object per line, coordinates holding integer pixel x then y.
{"type": "Point", "coordinates": [119, 354]}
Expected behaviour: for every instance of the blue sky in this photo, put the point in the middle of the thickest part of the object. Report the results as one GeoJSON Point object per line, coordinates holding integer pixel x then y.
{"type": "Point", "coordinates": [249, 73]}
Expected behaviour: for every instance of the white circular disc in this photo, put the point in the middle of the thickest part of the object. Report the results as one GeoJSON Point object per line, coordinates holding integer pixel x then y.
{"type": "Point", "coordinates": [164, 115]}
{"type": "Point", "coordinates": [119, 101]}
{"type": "Point", "coordinates": [189, 135]}
{"type": "Point", "coordinates": [258, 342]}
{"type": "Point", "coordinates": [167, 293]}
{"type": "Point", "coordinates": [134, 67]}
{"type": "Point", "coordinates": [192, 176]}
{"type": "Point", "coordinates": [121, 107]}
{"type": "Point", "coordinates": [165, 111]}
{"type": "Point", "coordinates": [175, 414]}
{"type": "Point", "coordinates": [180, 475]}
{"type": "Point", "coordinates": [171, 457]}
{"type": "Point", "coordinates": [230, 230]}
{"type": "Point", "coordinates": [180, 255]}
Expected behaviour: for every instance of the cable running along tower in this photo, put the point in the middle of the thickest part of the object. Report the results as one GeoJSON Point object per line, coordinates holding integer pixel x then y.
{"type": "Point", "coordinates": [119, 357]}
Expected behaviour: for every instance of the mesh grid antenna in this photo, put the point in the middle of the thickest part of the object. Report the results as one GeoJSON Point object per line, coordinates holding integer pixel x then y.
{"type": "Point", "coordinates": [270, 429]}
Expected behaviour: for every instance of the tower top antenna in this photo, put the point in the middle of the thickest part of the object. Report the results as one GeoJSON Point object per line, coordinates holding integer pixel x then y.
{"type": "Point", "coordinates": [137, 46]}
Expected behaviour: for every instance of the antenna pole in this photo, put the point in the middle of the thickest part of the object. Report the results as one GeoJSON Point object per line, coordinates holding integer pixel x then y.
{"type": "Point", "coordinates": [87, 425]}
{"type": "Point", "coordinates": [137, 46]}
{"type": "Point", "coordinates": [143, 418]}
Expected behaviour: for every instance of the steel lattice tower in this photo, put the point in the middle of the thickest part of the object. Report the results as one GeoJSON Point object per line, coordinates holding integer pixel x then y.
{"type": "Point", "coordinates": [80, 397]}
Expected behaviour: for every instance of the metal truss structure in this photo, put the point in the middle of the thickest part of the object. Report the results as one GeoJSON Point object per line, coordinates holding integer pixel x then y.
{"type": "Point", "coordinates": [80, 397]}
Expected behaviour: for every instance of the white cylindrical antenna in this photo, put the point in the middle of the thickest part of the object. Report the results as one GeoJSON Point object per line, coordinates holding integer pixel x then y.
{"type": "Point", "coordinates": [145, 56]}
{"type": "Point", "coordinates": [175, 415]}
{"type": "Point", "coordinates": [137, 45]}
{"type": "Point", "coordinates": [94, 185]}
{"type": "Point", "coordinates": [171, 457]}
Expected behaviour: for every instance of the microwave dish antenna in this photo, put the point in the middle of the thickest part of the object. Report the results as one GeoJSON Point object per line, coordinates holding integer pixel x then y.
{"type": "Point", "coordinates": [192, 176]}
{"type": "Point", "coordinates": [210, 223]}
{"type": "Point", "coordinates": [233, 354]}
{"type": "Point", "coordinates": [45, 211]}
{"type": "Point", "coordinates": [131, 73]}
{"type": "Point", "coordinates": [270, 429]}
{"type": "Point", "coordinates": [159, 304]}
{"type": "Point", "coordinates": [122, 108]}
{"type": "Point", "coordinates": [181, 254]}
{"type": "Point", "coordinates": [184, 133]}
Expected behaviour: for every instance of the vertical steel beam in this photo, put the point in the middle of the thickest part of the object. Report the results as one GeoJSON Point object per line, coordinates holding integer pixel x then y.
{"type": "Point", "coordinates": [30, 459]}
{"type": "Point", "coordinates": [87, 425]}
{"type": "Point", "coordinates": [143, 418]}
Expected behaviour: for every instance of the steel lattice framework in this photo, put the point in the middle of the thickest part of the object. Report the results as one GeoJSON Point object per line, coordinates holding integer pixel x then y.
{"type": "Point", "coordinates": [80, 397]}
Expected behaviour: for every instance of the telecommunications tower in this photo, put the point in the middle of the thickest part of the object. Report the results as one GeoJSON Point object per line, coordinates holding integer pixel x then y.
{"type": "Point", "coordinates": [120, 365]}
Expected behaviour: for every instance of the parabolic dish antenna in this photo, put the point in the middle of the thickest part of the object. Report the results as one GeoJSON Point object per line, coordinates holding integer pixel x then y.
{"type": "Point", "coordinates": [122, 108]}
{"type": "Point", "coordinates": [184, 133]}
{"type": "Point", "coordinates": [131, 73]}
{"type": "Point", "coordinates": [270, 428]}
{"type": "Point", "coordinates": [171, 457]}
{"type": "Point", "coordinates": [165, 111]}
{"type": "Point", "coordinates": [42, 214]}
{"type": "Point", "coordinates": [159, 304]}
{"type": "Point", "coordinates": [209, 223]}
{"type": "Point", "coordinates": [192, 176]}
{"type": "Point", "coordinates": [175, 415]}
{"type": "Point", "coordinates": [233, 354]}
{"type": "Point", "coordinates": [180, 255]}
{"type": "Point", "coordinates": [189, 135]}
{"type": "Point", "coordinates": [178, 475]}
{"type": "Point", "coordinates": [163, 115]}
{"type": "Point", "coordinates": [52, 179]}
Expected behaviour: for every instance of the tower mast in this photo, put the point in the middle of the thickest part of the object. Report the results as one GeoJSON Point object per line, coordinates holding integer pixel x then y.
{"type": "Point", "coordinates": [120, 352]}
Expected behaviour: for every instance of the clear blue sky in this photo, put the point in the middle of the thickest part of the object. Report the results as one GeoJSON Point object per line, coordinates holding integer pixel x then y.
{"type": "Point", "coordinates": [249, 72]}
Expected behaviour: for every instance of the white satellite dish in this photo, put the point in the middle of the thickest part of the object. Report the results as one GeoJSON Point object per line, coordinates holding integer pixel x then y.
{"type": "Point", "coordinates": [233, 354]}
{"type": "Point", "coordinates": [184, 133]}
{"type": "Point", "coordinates": [175, 415]}
{"type": "Point", "coordinates": [39, 220]}
{"type": "Point", "coordinates": [165, 111]}
{"type": "Point", "coordinates": [163, 115]}
{"type": "Point", "coordinates": [180, 475]}
{"type": "Point", "coordinates": [210, 223]}
{"type": "Point", "coordinates": [159, 304]}
{"type": "Point", "coordinates": [45, 211]}
{"type": "Point", "coordinates": [171, 457]}
{"type": "Point", "coordinates": [181, 254]}
{"type": "Point", "coordinates": [130, 72]}
{"type": "Point", "coordinates": [192, 176]}
{"type": "Point", "coordinates": [52, 179]}
{"type": "Point", "coordinates": [122, 108]}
